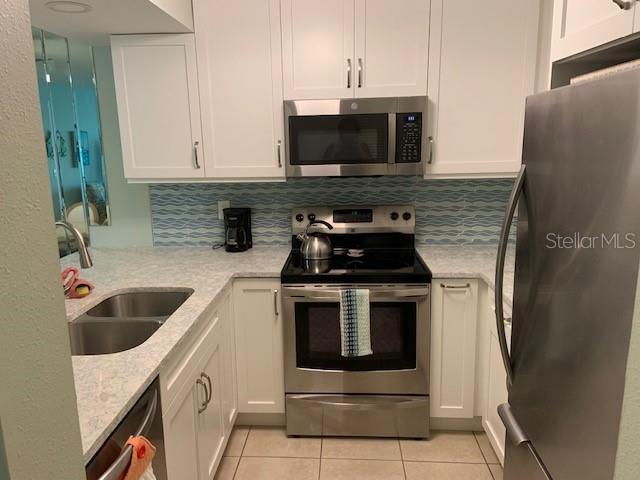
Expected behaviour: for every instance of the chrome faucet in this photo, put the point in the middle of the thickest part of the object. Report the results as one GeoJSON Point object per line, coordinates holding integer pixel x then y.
{"type": "Point", "coordinates": [83, 253]}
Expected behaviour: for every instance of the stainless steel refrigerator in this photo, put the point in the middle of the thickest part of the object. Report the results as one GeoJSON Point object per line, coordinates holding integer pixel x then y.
{"type": "Point", "coordinates": [577, 256]}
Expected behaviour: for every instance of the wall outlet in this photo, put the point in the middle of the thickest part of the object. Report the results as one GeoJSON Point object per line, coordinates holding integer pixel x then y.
{"type": "Point", "coordinates": [222, 204]}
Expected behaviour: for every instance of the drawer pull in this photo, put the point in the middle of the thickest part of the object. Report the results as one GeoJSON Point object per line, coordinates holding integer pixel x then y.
{"type": "Point", "coordinates": [455, 287]}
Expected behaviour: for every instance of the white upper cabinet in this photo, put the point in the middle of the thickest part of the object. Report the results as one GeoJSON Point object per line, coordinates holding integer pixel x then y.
{"type": "Point", "coordinates": [158, 105]}
{"type": "Point", "coordinates": [580, 25]}
{"type": "Point", "coordinates": [482, 66]}
{"type": "Point", "coordinates": [354, 48]}
{"type": "Point", "coordinates": [392, 43]}
{"type": "Point", "coordinates": [240, 78]}
{"type": "Point", "coordinates": [317, 48]}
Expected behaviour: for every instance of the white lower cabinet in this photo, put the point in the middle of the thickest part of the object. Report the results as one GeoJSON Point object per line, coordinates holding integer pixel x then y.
{"type": "Point", "coordinates": [259, 353]}
{"type": "Point", "coordinates": [211, 433]}
{"type": "Point", "coordinates": [495, 388]}
{"type": "Point", "coordinates": [194, 396]}
{"type": "Point", "coordinates": [229, 370]}
{"type": "Point", "coordinates": [180, 435]}
{"type": "Point", "coordinates": [454, 311]}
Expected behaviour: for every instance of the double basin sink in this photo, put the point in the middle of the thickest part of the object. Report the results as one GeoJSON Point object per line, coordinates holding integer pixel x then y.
{"type": "Point", "coordinates": [123, 321]}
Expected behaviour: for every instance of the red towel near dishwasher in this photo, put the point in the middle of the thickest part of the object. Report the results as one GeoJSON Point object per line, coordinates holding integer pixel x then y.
{"type": "Point", "coordinates": [143, 452]}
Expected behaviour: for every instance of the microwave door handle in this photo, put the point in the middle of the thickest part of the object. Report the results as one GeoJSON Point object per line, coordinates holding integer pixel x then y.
{"type": "Point", "coordinates": [391, 140]}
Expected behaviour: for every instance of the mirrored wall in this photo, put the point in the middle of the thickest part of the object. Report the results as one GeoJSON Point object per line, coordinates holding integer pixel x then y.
{"type": "Point", "coordinates": [71, 123]}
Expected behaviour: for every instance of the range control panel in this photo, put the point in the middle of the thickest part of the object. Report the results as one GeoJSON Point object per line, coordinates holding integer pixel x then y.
{"type": "Point", "coordinates": [408, 137]}
{"type": "Point", "coordinates": [357, 219]}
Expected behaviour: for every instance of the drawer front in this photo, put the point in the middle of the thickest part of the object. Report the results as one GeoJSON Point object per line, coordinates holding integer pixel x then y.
{"type": "Point", "coordinates": [358, 415]}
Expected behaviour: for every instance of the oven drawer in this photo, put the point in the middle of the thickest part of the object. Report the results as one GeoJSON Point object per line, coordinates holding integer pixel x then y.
{"type": "Point", "coordinates": [358, 415]}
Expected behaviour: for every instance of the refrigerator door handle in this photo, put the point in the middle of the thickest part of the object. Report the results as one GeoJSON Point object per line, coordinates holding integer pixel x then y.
{"type": "Point", "coordinates": [499, 281]}
{"type": "Point", "coordinates": [518, 437]}
{"type": "Point", "coordinates": [514, 430]}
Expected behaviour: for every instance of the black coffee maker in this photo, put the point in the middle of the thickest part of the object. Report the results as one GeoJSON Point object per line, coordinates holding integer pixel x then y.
{"type": "Point", "coordinates": [237, 229]}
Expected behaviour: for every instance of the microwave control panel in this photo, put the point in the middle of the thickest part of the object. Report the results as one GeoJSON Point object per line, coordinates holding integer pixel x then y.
{"type": "Point", "coordinates": [408, 137]}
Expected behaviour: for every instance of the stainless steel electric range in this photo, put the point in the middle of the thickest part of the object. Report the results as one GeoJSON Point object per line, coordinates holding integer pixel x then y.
{"type": "Point", "coordinates": [386, 393]}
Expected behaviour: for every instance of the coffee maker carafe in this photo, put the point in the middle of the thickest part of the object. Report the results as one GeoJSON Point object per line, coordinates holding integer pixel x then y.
{"type": "Point", "coordinates": [237, 229]}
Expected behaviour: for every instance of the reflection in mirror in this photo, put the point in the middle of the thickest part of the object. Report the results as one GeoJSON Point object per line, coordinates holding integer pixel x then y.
{"type": "Point", "coordinates": [71, 123]}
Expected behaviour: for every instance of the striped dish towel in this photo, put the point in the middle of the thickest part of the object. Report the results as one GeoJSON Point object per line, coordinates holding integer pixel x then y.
{"type": "Point", "coordinates": [355, 324]}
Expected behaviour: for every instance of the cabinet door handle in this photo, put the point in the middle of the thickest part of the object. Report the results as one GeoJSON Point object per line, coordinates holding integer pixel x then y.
{"type": "Point", "coordinates": [204, 405]}
{"type": "Point", "coordinates": [275, 302]}
{"type": "Point", "coordinates": [624, 4]}
{"type": "Point", "coordinates": [195, 155]}
{"type": "Point", "coordinates": [210, 390]}
{"type": "Point", "coordinates": [348, 73]}
{"type": "Point", "coordinates": [455, 287]}
{"type": "Point", "coordinates": [279, 153]}
{"type": "Point", "coordinates": [430, 161]}
{"type": "Point", "coordinates": [360, 73]}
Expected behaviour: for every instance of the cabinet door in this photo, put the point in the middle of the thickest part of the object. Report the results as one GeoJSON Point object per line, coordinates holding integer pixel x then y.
{"type": "Point", "coordinates": [240, 78]}
{"type": "Point", "coordinates": [317, 49]}
{"type": "Point", "coordinates": [211, 436]}
{"type": "Point", "coordinates": [180, 425]}
{"type": "Point", "coordinates": [229, 376]}
{"type": "Point", "coordinates": [579, 25]}
{"type": "Point", "coordinates": [496, 395]}
{"type": "Point", "coordinates": [391, 47]}
{"type": "Point", "coordinates": [158, 106]}
{"type": "Point", "coordinates": [453, 348]}
{"type": "Point", "coordinates": [482, 66]}
{"type": "Point", "coordinates": [259, 346]}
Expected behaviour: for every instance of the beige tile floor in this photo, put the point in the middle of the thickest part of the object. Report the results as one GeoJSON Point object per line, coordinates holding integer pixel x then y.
{"type": "Point", "coordinates": [265, 453]}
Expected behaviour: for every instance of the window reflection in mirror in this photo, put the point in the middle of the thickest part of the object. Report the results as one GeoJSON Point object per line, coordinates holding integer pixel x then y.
{"type": "Point", "coordinates": [72, 136]}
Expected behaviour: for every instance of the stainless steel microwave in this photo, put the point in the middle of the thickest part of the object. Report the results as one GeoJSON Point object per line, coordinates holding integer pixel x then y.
{"type": "Point", "coordinates": [353, 137]}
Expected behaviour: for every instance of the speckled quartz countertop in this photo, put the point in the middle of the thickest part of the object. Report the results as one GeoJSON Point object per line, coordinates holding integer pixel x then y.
{"type": "Point", "coordinates": [107, 386]}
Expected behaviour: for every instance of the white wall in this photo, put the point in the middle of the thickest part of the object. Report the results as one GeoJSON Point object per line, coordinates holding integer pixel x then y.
{"type": "Point", "coordinates": [41, 435]}
{"type": "Point", "coordinates": [129, 203]}
{"type": "Point", "coordinates": [628, 457]}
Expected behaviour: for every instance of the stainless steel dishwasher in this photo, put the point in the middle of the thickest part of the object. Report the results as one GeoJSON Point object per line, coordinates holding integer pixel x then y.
{"type": "Point", "coordinates": [145, 418]}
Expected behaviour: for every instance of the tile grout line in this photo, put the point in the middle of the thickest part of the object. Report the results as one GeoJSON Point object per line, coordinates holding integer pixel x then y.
{"type": "Point", "coordinates": [481, 451]}
{"type": "Point", "coordinates": [320, 462]}
{"type": "Point", "coordinates": [244, 444]}
{"type": "Point", "coordinates": [484, 456]}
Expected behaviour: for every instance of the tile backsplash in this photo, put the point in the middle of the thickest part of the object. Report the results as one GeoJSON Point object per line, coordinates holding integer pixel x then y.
{"type": "Point", "coordinates": [448, 212]}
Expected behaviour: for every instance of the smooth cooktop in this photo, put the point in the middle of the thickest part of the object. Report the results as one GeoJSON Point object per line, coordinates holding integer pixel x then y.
{"type": "Point", "coordinates": [368, 266]}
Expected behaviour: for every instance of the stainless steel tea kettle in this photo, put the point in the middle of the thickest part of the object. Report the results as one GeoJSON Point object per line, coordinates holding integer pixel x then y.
{"type": "Point", "coordinates": [316, 245]}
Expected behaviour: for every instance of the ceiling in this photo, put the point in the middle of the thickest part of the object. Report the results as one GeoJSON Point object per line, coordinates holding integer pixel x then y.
{"type": "Point", "coordinates": [106, 17]}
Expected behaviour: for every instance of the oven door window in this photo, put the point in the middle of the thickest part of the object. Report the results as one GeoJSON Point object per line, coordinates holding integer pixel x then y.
{"type": "Point", "coordinates": [338, 139]}
{"type": "Point", "coordinates": [393, 337]}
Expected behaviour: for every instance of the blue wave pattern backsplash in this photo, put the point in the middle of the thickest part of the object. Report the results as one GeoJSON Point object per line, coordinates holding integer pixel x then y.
{"type": "Point", "coordinates": [448, 212]}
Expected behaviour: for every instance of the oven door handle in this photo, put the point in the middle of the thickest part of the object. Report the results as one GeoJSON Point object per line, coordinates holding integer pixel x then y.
{"type": "Point", "coordinates": [324, 294]}
{"type": "Point", "coordinates": [385, 402]}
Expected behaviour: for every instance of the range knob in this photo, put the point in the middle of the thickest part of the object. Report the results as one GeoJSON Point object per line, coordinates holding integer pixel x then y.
{"type": "Point", "coordinates": [311, 217]}
{"type": "Point", "coordinates": [406, 216]}
{"type": "Point", "coordinates": [299, 217]}
{"type": "Point", "coordinates": [394, 215]}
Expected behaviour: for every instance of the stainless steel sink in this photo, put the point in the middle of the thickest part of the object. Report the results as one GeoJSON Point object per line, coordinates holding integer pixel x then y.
{"type": "Point", "coordinates": [110, 335]}
{"type": "Point", "coordinates": [141, 304]}
{"type": "Point", "coordinates": [123, 321]}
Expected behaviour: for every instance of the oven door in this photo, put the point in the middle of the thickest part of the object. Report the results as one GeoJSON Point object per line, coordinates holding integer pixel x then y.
{"type": "Point", "coordinates": [400, 328]}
